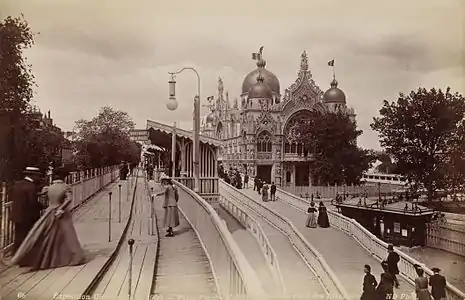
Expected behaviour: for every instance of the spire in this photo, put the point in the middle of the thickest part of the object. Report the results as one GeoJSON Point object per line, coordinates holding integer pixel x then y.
{"type": "Point", "coordinates": [260, 78]}
{"type": "Point", "coordinates": [304, 61]}
{"type": "Point", "coordinates": [334, 83]}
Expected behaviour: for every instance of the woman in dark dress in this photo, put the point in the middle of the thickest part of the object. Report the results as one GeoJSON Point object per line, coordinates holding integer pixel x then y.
{"type": "Point", "coordinates": [323, 220]}
{"type": "Point", "coordinates": [385, 289]}
{"type": "Point", "coordinates": [369, 285]}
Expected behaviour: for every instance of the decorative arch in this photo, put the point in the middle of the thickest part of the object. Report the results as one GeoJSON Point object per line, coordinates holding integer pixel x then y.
{"type": "Point", "coordinates": [292, 134]}
{"type": "Point", "coordinates": [264, 143]}
{"type": "Point", "coordinates": [219, 131]}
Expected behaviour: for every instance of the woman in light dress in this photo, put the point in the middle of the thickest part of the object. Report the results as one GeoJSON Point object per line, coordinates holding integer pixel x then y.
{"type": "Point", "coordinates": [170, 204]}
{"type": "Point", "coordinates": [53, 241]}
{"type": "Point", "coordinates": [311, 218]}
{"type": "Point", "coordinates": [421, 285]}
{"type": "Point", "coordinates": [265, 189]}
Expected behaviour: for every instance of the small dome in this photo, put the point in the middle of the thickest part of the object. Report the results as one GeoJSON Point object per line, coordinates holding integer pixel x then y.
{"type": "Point", "coordinates": [260, 89]}
{"type": "Point", "coordinates": [210, 118]}
{"type": "Point", "coordinates": [269, 78]}
{"type": "Point", "coordinates": [334, 94]}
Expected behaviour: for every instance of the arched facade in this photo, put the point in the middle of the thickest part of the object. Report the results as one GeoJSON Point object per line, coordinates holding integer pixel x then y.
{"type": "Point", "coordinates": [260, 135]}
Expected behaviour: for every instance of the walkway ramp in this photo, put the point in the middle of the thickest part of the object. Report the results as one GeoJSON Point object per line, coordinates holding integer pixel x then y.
{"type": "Point", "coordinates": [299, 280]}
{"type": "Point", "coordinates": [91, 223]}
{"type": "Point", "coordinates": [342, 253]}
{"type": "Point", "coordinates": [182, 268]}
{"type": "Point", "coordinates": [250, 247]}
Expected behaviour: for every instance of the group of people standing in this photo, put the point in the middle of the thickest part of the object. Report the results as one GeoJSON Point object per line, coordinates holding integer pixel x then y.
{"type": "Point", "coordinates": [268, 192]}
{"type": "Point", "coordinates": [312, 220]}
{"type": "Point", "coordinates": [45, 236]}
{"type": "Point", "coordinates": [384, 290]}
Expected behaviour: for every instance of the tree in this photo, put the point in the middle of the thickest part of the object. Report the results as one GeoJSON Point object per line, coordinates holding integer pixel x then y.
{"type": "Point", "coordinates": [421, 131]}
{"type": "Point", "coordinates": [104, 140]}
{"type": "Point", "coordinates": [16, 91]}
{"type": "Point", "coordinates": [331, 138]}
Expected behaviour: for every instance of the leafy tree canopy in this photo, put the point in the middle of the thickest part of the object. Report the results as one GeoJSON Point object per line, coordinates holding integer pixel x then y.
{"type": "Point", "coordinates": [423, 132]}
{"type": "Point", "coordinates": [331, 138]}
{"type": "Point", "coordinates": [104, 140]}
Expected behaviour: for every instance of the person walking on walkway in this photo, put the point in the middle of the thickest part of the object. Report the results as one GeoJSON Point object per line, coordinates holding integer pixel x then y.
{"type": "Point", "coordinates": [369, 285]}
{"type": "Point", "coordinates": [421, 285]}
{"type": "Point", "coordinates": [385, 289]}
{"type": "Point", "coordinates": [26, 207]}
{"type": "Point", "coordinates": [53, 241]}
{"type": "Point", "coordinates": [273, 192]}
{"type": "Point", "coordinates": [170, 204]}
{"type": "Point", "coordinates": [323, 220]}
{"type": "Point", "coordinates": [311, 219]}
{"type": "Point", "coordinates": [246, 181]}
{"type": "Point", "coordinates": [392, 261]}
{"type": "Point", "coordinates": [255, 183]}
{"type": "Point", "coordinates": [265, 191]}
{"type": "Point", "coordinates": [438, 285]}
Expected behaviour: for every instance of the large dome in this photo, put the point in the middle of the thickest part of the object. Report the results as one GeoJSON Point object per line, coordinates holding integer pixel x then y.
{"type": "Point", "coordinates": [260, 89]}
{"type": "Point", "coordinates": [334, 94]}
{"type": "Point", "coordinates": [269, 78]}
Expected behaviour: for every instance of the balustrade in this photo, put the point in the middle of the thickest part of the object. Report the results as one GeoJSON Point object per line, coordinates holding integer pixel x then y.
{"type": "Point", "coordinates": [318, 265]}
{"type": "Point", "coordinates": [370, 242]}
{"type": "Point", "coordinates": [208, 185]}
{"type": "Point", "coordinates": [257, 232]}
{"type": "Point", "coordinates": [83, 185]}
{"type": "Point", "coordinates": [234, 276]}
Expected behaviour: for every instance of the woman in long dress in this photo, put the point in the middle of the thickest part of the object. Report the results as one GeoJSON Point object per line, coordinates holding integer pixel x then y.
{"type": "Point", "coordinates": [53, 241]}
{"type": "Point", "coordinates": [311, 218]}
{"type": "Point", "coordinates": [323, 220]}
{"type": "Point", "coordinates": [421, 285]}
{"type": "Point", "coordinates": [170, 204]}
{"type": "Point", "coordinates": [265, 192]}
{"type": "Point", "coordinates": [385, 289]}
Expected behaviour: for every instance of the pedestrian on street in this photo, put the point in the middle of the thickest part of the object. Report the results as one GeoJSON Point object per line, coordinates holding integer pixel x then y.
{"type": "Point", "coordinates": [26, 207]}
{"type": "Point", "coordinates": [385, 289]}
{"type": "Point", "coordinates": [273, 192]}
{"type": "Point", "coordinates": [52, 241]}
{"type": "Point", "coordinates": [255, 183]}
{"type": "Point", "coordinates": [170, 204]}
{"type": "Point", "coordinates": [421, 285]}
{"type": "Point", "coordinates": [438, 285]}
{"type": "Point", "coordinates": [311, 218]}
{"type": "Point", "coordinates": [369, 285]}
{"type": "Point", "coordinates": [323, 220]}
{"type": "Point", "coordinates": [392, 261]}
{"type": "Point", "coordinates": [246, 181]}
{"type": "Point", "coordinates": [265, 192]}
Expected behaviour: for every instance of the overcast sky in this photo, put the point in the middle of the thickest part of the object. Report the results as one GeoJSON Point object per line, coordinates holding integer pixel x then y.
{"type": "Point", "coordinates": [92, 53]}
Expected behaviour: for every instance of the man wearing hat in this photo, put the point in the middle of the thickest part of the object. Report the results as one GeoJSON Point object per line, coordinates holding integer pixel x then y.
{"type": "Point", "coordinates": [392, 261]}
{"type": "Point", "coordinates": [25, 210]}
{"type": "Point", "coordinates": [438, 285]}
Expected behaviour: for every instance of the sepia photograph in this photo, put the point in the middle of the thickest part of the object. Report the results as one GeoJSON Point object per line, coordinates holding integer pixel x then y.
{"type": "Point", "coordinates": [257, 150]}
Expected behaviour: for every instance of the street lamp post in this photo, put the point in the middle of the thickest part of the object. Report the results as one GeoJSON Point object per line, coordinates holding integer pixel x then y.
{"type": "Point", "coordinates": [196, 121]}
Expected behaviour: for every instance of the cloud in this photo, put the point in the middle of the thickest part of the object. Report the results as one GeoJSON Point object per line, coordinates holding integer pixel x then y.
{"type": "Point", "coordinates": [95, 53]}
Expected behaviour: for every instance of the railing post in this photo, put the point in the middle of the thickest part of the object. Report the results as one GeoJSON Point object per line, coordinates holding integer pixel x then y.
{"type": "Point", "coordinates": [109, 216]}
{"type": "Point", "coordinates": [131, 244]}
{"type": "Point", "coordinates": [119, 202]}
{"type": "Point", "coordinates": [2, 218]}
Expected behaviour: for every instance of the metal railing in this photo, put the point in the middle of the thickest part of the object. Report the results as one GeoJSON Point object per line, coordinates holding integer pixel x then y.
{"type": "Point", "coordinates": [83, 184]}
{"type": "Point", "coordinates": [233, 274]}
{"type": "Point", "coordinates": [314, 259]}
{"type": "Point", "coordinates": [370, 242]}
{"type": "Point", "coordinates": [256, 230]}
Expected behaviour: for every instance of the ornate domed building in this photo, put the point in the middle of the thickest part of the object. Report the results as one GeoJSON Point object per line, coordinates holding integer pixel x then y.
{"type": "Point", "coordinates": [260, 135]}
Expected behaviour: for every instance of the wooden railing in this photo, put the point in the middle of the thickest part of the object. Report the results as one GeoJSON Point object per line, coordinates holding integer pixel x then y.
{"type": "Point", "coordinates": [254, 228]}
{"type": "Point", "coordinates": [83, 184]}
{"type": "Point", "coordinates": [313, 258]}
{"type": "Point", "coordinates": [370, 242]}
{"type": "Point", "coordinates": [234, 276]}
{"type": "Point", "coordinates": [208, 185]}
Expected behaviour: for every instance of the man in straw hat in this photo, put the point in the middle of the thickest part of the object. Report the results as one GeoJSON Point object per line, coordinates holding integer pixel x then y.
{"type": "Point", "coordinates": [438, 285]}
{"type": "Point", "coordinates": [25, 210]}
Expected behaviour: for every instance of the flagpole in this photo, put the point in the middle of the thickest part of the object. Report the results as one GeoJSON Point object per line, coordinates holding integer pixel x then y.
{"type": "Point", "coordinates": [334, 72]}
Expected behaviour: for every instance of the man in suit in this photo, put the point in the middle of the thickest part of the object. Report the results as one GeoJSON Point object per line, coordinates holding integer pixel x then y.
{"type": "Point", "coordinates": [273, 192]}
{"type": "Point", "coordinates": [438, 285]}
{"type": "Point", "coordinates": [392, 261]}
{"type": "Point", "coordinates": [26, 208]}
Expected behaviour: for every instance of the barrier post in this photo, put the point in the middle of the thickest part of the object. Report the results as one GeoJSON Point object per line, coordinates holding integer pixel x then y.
{"type": "Point", "coordinates": [131, 244]}
{"type": "Point", "coordinates": [119, 202]}
{"type": "Point", "coordinates": [109, 216]}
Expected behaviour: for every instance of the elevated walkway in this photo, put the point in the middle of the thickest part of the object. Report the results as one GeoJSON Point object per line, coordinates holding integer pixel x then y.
{"type": "Point", "coordinates": [342, 253]}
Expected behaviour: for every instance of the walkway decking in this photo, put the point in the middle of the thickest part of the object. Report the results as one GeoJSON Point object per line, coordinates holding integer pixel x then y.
{"type": "Point", "coordinates": [182, 268]}
{"type": "Point", "coordinates": [342, 253]}
{"type": "Point", "coordinates": [115, 282]}
{"type": "Point", "coordinates": [250, 247]}
{"type": "Point", "coordinates": [298, 279]}
{"type": "Point", "coordinates": [91, 222]}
